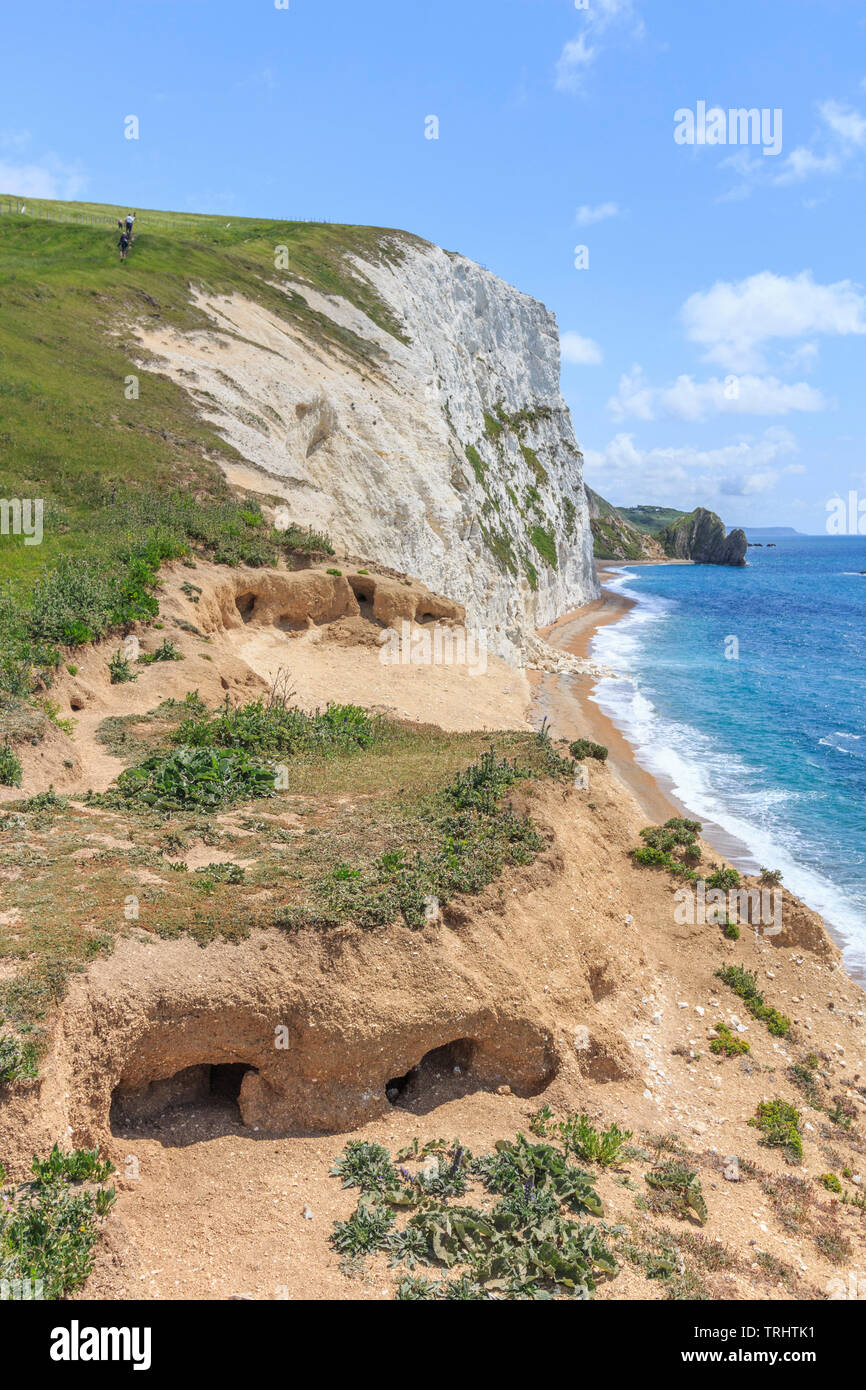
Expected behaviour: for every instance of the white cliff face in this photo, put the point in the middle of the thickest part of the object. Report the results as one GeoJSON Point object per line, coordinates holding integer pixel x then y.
{"type": "Point", "coordinates": [450, 456]}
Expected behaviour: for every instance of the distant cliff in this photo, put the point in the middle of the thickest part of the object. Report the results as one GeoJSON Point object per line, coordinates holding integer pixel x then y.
{"type": "Point", "coordinates": [614, 537]}
{"type": "Point", "coordinates": [701, 536]}
{"type": "Point", "coordinates": [627, 533]}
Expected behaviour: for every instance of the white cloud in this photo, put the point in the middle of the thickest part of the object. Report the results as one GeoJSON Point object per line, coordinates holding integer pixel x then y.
{"type": "Point", "coordinates": [575, 56]}
{"type": "Point", "coordinates": [587, 215]}
{"type": "Point", "coordinates": [582, 352]}
{"type": "Point", "coordinates": [690, 476]}
{"type": "Point", "coordinates": [600, 19]}
{"type": "Point", "coordinates": [688, 399]}
{"type": "Point", "coordinates": [50, 179]}
{"type": "Point", "coordinates": [845, 122]}
{"type": "Point", "coordinates": [838, 138]}
{"type": "Point", "coordinates": [19, 140]}
{"type": "Point", "coordinates": [735, 321]}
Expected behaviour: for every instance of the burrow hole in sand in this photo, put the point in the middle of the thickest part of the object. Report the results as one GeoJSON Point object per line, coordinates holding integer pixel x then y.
{"type": "Point", "coordinates": [448, 1072]}
{"type": "Point", "coordinates": [193, 1104]}
{"type": "Point", "coordinates": [245, 604]}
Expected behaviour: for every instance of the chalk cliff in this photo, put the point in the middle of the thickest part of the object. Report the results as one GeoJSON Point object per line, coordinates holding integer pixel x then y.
{"type": "Point", "coordinates": [434, 440]}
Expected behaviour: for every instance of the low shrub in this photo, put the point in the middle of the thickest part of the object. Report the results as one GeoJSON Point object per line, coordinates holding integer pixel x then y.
{"type": "Point", "coordinates": [188, 778]}
{"type": "Point", "coordinates": [166, 651]}
{"type": "Point", "coordinates": [10, 767]}
{"type": "Point", "coordinates": [17, 1059]}
{"type": "Point", "coordinates": [727, 1044]}
{"type": "Point", "coordinates": [584, 748]}
{"type": "Point", "coordinates": [119, 669]}
{"type": "Point", "coordinates": [272, 726]}
{"type": "Point", "coordinates": [680, 1191]}
{"type": "Point", "coordinates": [779, 1123]}
{"type": "Point", "coordinates": [723, 878]}
{"type": "Point", "coordinates": [745, 984]}
{"type": "Point", "coordinates": [49, 1228]}
{"type": "Point", "coordinates": [581, 1138]}
{"type": "Point", "coordinates": [672, 846]}
{"type": "Point", "coordinates": [528, 1245]}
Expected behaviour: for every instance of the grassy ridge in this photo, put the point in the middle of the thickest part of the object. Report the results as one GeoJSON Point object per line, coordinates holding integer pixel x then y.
{"type": "Point", "coordinates": [113, 472]}
{"type": "Point", "coordinates": [66, 347]}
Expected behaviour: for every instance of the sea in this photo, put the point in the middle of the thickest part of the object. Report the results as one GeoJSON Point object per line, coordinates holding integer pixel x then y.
{"type": "Point", "coordinates": [743, 691]}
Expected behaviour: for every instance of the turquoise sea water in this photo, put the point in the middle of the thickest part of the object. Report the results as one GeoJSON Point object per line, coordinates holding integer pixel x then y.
{"type": "Point", "coordinates": [764, 735]}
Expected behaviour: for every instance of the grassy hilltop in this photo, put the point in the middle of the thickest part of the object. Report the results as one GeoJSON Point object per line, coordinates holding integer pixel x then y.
{"type": "Point", "coordinates": [118, 476]}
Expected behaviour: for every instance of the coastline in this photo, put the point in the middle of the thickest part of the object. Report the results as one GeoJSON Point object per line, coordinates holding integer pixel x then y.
{"type": "Point", "coordinates": [566, 701]}
{"type": "Point", "coordinates": [574, 633]}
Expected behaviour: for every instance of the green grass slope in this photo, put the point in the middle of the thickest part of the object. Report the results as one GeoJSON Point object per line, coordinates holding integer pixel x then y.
{"type": "Point", "coordinates": [650, 520]}
{"type": "Point", "coordinates": [118, 475]}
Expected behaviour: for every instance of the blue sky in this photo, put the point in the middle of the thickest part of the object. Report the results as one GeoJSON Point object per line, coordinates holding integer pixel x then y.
{"type": "Point", "coordinates": [714, 345]}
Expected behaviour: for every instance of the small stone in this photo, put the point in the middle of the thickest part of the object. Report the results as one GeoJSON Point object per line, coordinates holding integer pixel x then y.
{"type": "Point", "coordinates": [503, 1090]}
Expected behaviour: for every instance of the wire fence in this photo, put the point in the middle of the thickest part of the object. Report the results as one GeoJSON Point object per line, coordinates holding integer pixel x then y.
{"type": "Point", "coordinates": [154, 220]}
{"type": "Point", "coordinates": [24, 206]}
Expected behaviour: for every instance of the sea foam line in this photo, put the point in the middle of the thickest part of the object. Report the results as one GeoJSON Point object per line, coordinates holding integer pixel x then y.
{"type": "Point", "coordinates": [708, 780]}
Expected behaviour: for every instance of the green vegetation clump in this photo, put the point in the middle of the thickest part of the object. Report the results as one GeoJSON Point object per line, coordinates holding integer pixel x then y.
{"type": "Point", "coordinates": [804, 1075]}
{"type": "Point", "coordinates": [723, 879]}
{"type": "Point", "coordinates": [522, 1241]}
{"type": "Point", "coordinates": [166, 651]}
{"type": "Point", "coordinates": [17, 1059]}
{"type": "Point", "coordinates": [10, 767]}
{"type": "Point", "coordinates": [672, 846]}
{"type": "Point", "coordinates": [49, 1227]}
{"type": "Point", "coordinates": [584, 748]}
{"type": "Point", "coordinates": [541, 474]}
{"type": "Point", "coordinates": [272, 725]}
{"type": "Point", "coordinates": [479, 468]}
{"type": "Point", "coordinates": [579, 1136]}
{"type": "Point", "coordinates": [745, 984]}
{"type": "Point", "coordinates": [470, 836]}
{"type": "Point", "coordinates": [492, 427]}
{"type": "Point", "coordinates": [772, 877]}
{"type": "Point", "coordinates": [679, 1190]}
{"type": "Point", "coordinates": [221, 872]}
{"type": "Point", "coordinates": [545, 545]}
{"type": "Point", "coordinates": [831, 1182]}
{"type": "Point", "coordinates": [500, 546]}
{"type": "Point", "coordinates": [779, 1123]}
{"type": "Point", "coordinates": [727, 1044]}
{"type": "Point", "coordinates": [119, 669]}
{"type": "Point", "coordinates": [731, 931]}
{"type": "Point", "coordinates": [194, 778]}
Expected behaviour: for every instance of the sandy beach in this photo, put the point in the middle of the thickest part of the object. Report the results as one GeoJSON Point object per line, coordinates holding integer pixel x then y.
{"type": "Point", "coordinates": [566, 701]}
